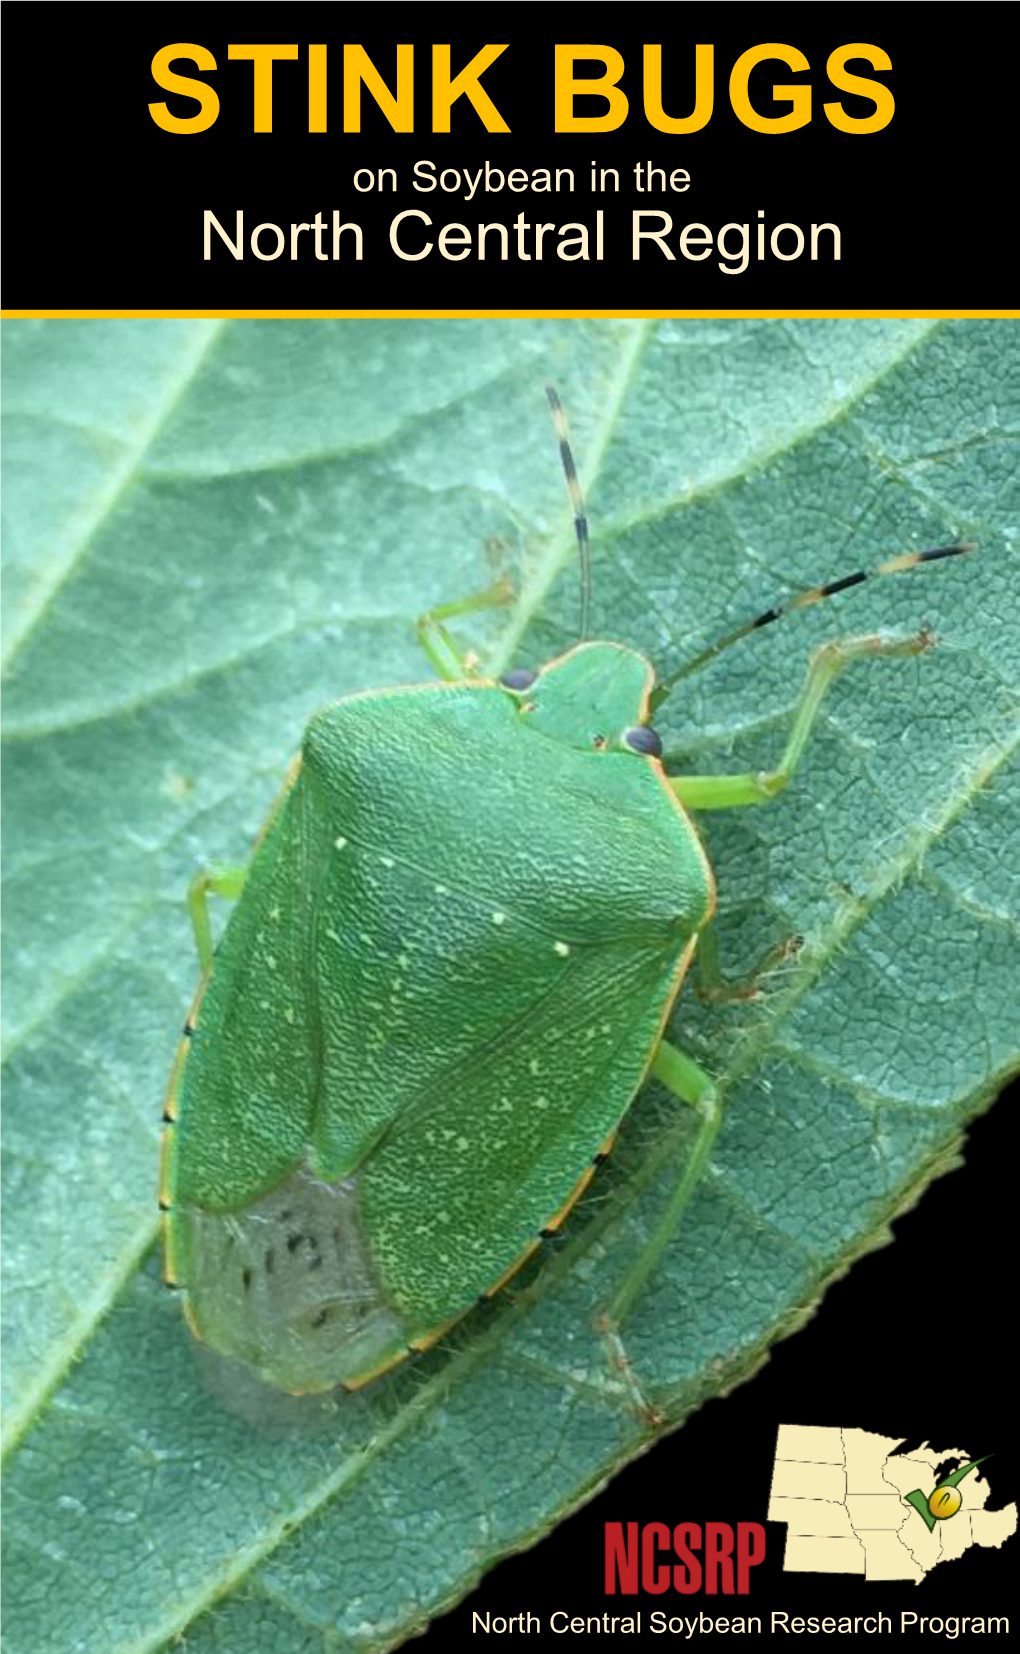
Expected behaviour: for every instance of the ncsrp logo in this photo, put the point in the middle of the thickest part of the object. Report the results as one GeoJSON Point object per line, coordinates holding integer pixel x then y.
{"type": "Point", "coordinates": [714, 1557]}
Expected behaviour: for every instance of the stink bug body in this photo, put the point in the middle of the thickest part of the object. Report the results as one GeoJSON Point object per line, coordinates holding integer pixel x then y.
{"type": "Point", "coordinates": [448, 973]}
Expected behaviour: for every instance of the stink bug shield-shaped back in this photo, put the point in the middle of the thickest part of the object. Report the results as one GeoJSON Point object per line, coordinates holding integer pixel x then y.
{"type": "Point", "coordinates": [448, 973]}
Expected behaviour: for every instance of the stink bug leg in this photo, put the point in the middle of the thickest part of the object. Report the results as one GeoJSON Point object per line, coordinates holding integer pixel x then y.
{"type": "Point", "coordinates": [447, 661]}
{"type": "Point", "coordinates": [216, 881]}
{"type": "Point", "coordinates": [710, 982]}
{"type": "Point", "coordinates": [723, 792]}
{"type": "Point", "coordinates": [689, 1084]}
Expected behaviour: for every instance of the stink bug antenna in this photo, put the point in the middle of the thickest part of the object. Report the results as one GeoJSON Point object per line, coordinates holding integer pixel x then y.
{"type": "Point", "coordinates": [559, 419]}
{"type": "Point", "coordinates": [804, 600]}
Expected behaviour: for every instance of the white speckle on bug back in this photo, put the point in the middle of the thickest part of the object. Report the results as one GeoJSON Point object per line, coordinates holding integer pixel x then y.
{"type": "Point", "coordinates": [499, 918]}
{"type": "Point", "coordinates": [387, 861]}
{"type": "Point", "coordinates": [441, 889]}
{"type": "Point", "coordinates": [340, 843]}
{"type": "Point", "coordinates": [562, 948]}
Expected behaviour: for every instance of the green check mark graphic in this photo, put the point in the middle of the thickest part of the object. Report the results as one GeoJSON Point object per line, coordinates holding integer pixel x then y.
{"type": "Point", "coordinates": [944, 1500]}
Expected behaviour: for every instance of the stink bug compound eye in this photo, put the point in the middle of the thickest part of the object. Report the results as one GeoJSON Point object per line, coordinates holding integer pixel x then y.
{"type": "Point", "coordinates": [407, 1012]}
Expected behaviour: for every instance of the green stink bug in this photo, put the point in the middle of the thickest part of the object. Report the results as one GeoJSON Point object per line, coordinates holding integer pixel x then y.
{"type": "Point", "coordinates": [418, 1038]}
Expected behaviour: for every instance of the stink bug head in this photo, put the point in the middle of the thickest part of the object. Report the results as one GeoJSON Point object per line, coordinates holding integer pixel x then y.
{"type": "Point", "coordinates": [588, 696]}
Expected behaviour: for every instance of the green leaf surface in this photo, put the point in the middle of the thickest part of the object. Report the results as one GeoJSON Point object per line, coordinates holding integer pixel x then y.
{"type": "Point", "coordinates": [214, 527]}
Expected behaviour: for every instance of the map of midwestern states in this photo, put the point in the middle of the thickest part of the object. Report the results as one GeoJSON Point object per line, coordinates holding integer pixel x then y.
{"type": "Point", "coordinates": [853, 1505]}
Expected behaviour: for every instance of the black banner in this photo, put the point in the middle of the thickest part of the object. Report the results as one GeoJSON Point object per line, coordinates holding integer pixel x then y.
{"type": "Point", "coordinates": [717, 157]}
